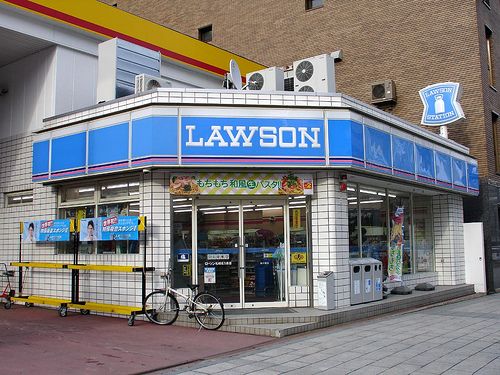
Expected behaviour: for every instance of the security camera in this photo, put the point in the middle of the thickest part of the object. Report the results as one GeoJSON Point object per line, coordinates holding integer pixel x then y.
{"type": "Point", "coordinates": [146, 171]}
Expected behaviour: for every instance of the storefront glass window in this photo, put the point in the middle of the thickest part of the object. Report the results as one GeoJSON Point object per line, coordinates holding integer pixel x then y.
{"type": "Point", "coordinates": [400, 226]}
{"type": "Point", "coordinates": [353, 211]}
{"type": "Point", "coordinates": [424, 253]}
{"type": "Point", "coordinates": [76, 213]}
{"type": "Point", "coordinates": [407, 223]}
{"type": "Point", "coordinates": [110, 198]}
{"type": "Point", "coordinates": [120, 190]}
{"type": "Point", "coordinates": [299, 254]}
{"type": "Point", "coordinates": [373, 210]}
{"type": "Point", "coordinates": [80, 193]}
{"type": "Point", "coordinates": [182, 256]}
{"type": "Point", "coordinates": [118, 247]}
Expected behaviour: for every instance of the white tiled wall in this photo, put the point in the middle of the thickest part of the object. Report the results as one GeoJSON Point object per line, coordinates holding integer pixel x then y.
{"type": "Point", "coordinates": [330, 235]}
{"type": "Point", "coordinates": [95, 286]}
{"type": "Point", "coordinates": [449, 239]}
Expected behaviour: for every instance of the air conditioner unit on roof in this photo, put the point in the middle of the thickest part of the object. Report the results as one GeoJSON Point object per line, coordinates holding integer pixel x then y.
{"type": "Point", "coordinates": [270, 79]}
{"type": "Point", "coordinates": [315, 74]}
{"type": "Point", "coordinates": [383, 92]}
{"type": "Point", "coordinates": [145, 82]}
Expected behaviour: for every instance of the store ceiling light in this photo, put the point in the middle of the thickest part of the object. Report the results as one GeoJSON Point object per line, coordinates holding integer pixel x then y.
{"type": "Point", "coordinates": [368, 192]}
{"type": "Point", "coordinates": [179, 199]}
{"type": "Point", "coordinates": [297, 202]}
{"type": "Point", "coordinates": [182, 205]}
{"type": "Point", "coordinates": [211, 208]}
{"type": "Point", "coordinates": [86, 190]}
{"type": "Point", "coordinates": [374, 201]}
{"type": "Point", "coordinates": [119, 186]}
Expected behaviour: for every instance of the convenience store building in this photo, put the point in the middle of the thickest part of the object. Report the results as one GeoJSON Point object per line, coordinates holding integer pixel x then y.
{"type": "Point", "coordinates": [249, 194]}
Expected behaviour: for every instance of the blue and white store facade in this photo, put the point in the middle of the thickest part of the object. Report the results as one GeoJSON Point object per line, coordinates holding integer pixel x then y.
{"type": "Point", "coordinates": [252, 195]}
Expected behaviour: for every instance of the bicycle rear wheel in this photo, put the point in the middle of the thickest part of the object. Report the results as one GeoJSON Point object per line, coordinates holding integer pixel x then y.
{"type": "Point", "coordinates": [208, 311]}
{"type": "Point", "coordinates": [161, 308]}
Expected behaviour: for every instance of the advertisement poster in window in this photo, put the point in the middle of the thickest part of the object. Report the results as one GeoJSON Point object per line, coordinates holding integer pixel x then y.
{"type": "Point", "coordinates": [395, 262]}
{"type": "Point", "coordinates": [46, 231]}
{"type": "Point", "coordinates": [109, 228]}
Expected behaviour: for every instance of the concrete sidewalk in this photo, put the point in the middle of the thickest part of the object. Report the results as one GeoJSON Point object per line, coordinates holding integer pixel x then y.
{"type": "Point", "coordinates": [38, 341]}
{"type": "Point", "coordinates": [458, 338]}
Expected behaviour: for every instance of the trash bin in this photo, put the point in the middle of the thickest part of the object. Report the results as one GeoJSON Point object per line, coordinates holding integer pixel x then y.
{"type": "Point", "coordinates": [367, 277]}
{"type": "Point", "coordinates": [326, 292]}
{"type": "Point", "coordinates": [366, 280]}
{"type": "Point", "coordinates": [356, 280]}
{"type": "Point", "coordinates": [377, 280]}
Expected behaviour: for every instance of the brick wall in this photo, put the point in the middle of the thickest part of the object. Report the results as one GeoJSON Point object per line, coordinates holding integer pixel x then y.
{"type": "Point", "coordinates": [415, 43]}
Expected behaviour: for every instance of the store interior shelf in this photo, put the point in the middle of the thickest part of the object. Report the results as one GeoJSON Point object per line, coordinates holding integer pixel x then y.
{"type": "Point", "coordinates": [39, 265]}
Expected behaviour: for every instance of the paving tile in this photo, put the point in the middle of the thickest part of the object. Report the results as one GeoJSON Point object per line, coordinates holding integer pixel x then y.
{"type": "Point", "coordinates": [401, 369]}
{"type": "Point", "coordinates": [437, 367]}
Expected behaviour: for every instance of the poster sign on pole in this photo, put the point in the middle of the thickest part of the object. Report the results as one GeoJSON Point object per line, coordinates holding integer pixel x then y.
{"type": "Point", "coordinates": [46, 230]}
{"type": "Point", "coordinates": [109, 228]}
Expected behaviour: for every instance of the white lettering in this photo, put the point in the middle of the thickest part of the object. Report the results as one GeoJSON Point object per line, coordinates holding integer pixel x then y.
{"type": "Point", "coordinates": [190, 142]}
{"type": "Point", "coordinates": [247, 140]}
{"type": "Point", "coordinates": [293, 133]}
{"type": "Point", "coordinates": [313, 139]}
{"type": "Point", "coordinates": [216, 136]}
{"type": "Point", "coordinates": [271, 137]}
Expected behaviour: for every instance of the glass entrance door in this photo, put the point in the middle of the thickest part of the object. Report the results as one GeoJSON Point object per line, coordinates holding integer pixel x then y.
{"type": "Point", "coordinates": [241, 251]}
{"type": "Point", "coordinates": [264, 252]}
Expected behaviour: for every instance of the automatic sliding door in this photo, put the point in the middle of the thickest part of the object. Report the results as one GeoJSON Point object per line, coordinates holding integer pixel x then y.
{"type": "Point", "coordinates": [218, 250]}
{"type": "Point", "coordinates": [264, 251]}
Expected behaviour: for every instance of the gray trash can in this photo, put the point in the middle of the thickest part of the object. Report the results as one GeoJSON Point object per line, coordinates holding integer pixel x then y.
{"type": "Point", "coordinates": [367, 277]}
{"type": "Point", "coordinates": [356, 281]}
{"type": "Point", "coordinates": [366, 280]}
{"type": "Point", "coordinates": [377, 280]}
{"type": "Point", "coordinates": [326, 292]}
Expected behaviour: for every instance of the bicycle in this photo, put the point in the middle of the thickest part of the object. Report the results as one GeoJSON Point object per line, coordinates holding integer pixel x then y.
{"type": "Point", "coordinates": [161, 306]}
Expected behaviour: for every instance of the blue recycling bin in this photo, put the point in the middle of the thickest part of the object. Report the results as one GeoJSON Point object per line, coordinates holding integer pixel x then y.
{"type": "Point", "coordinates": [263, 279]}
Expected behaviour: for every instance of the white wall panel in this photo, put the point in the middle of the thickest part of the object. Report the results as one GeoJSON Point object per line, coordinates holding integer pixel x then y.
{"type": "Point", "coordinates": [76, 79]}
{"type": "Point", "coordinates": [31, 93]}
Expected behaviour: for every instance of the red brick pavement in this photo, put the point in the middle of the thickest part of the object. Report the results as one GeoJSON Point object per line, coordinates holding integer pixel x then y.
{"type": "Point", "coordinates": [37, 340]}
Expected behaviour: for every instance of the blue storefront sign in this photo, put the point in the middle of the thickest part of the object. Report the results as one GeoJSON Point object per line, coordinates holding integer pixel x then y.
{"type": "Point", "coordinates": [109, 228]}
{"type": "Point", "coordinates": [441, 106]}
{"type": "Point", "coordinates": [46, 231]}
{"type": "Point", "coordinates": [287, 140]}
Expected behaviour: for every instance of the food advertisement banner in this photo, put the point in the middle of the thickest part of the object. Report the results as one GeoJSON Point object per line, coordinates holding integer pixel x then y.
{"type": "Point", "coordinates": [109, 228]}
{"type": "Point", "coordinates": [395, 262]}
{"type": "Point", "coordinates": [46, 231]}
{"type": "Point", "coordinates": [241, 184]}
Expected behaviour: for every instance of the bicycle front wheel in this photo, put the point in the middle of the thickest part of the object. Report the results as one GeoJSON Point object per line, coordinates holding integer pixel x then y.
{"type": "Point", "coordinates": [161, 307]}
{"type": "Point", "coordinates": [208, 311]}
